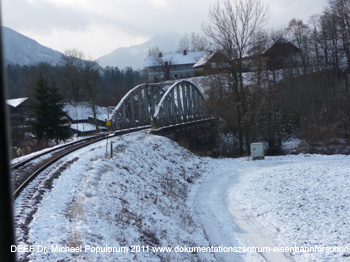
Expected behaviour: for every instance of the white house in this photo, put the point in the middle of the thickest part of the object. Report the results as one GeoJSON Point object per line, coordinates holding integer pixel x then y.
{"type": "Point", "coordinates": [82, 119]}
{"type": "Point", "coordinates": [172, 65]}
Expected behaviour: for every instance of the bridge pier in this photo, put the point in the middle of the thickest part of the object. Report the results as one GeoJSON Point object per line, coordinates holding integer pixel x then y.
{"type": "Point", "coordinates": [200, 137]}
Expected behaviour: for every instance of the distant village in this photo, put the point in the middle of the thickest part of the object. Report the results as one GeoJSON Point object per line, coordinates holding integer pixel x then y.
{"type": "Point", "coordinates": [170, 66]}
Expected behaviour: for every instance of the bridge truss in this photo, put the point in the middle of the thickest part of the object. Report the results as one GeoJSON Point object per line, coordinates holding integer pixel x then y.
{"type": "Point", "coordinates": [159, 105]}
{"type": "Point", "coordinates": [137, 107]}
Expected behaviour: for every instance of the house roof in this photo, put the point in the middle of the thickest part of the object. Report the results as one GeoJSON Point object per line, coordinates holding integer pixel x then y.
{"type": "Point", "coordinates": [82, 111]}
{"type": "Point", "coordinates": [282, 48]}
{"type": "Point", "coordinates": [212, 57]}
{"type": "Point", "coordinates": [176, 58]}
{"type": "Point", "coordinates": [204, 59]}
{"type": "Point", "coordinates": [16, 102]}
{"type": "Point", "coordinates": [85, 127]}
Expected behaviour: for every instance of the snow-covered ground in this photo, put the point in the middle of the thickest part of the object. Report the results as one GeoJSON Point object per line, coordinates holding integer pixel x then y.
{"type": "Point", "coordinates": [137, 199]}
{"type": "Point", "coordinates": [282, 202]}
{"type": "Point", "coordinates": [153, 193]}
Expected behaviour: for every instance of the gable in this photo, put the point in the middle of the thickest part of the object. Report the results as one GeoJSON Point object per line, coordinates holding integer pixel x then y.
{"type": "Point", "coordinates": [16, 102]}
{"type": "Point", "coordinates": [211, 58]}
{"type": "Point", "coordinates": [190, 58]}
{"type": "Point", "coordinates": [282, 48]}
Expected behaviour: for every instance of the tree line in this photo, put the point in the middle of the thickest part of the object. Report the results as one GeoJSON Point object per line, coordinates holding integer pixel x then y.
{"type": "Point", "coordinates": [111, 82]}
{"type": "Point", "coordinates": [307, 97]}
{"type": "Point", "coordinates": [74, 79]}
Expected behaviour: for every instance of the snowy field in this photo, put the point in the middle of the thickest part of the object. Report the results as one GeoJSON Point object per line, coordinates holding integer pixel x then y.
{"type": "Point", "coordinates": [153, 193]}
{"type": "Point", "coordinates": [283, 202]}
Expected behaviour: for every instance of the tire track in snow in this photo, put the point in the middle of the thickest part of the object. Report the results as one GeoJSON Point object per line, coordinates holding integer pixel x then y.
{"type": "Point", "coordinates": [252, 232]}
{"type": "Point", "coordinates": [223, 223]}
{"type": "Point", "coordinates": [211, 206]}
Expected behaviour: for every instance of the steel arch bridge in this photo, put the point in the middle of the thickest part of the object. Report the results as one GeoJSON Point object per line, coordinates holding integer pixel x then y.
{"type": "Point", "coordinates": [159, 105]}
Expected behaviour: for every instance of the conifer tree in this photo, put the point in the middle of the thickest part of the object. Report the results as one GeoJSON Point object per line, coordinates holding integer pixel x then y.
{"type": "Point", "coordinates": [50, 121]}
{"type": "Point", "coordinates": [41, 109]}
{"type": "Point", "coordinates": [59, 123]}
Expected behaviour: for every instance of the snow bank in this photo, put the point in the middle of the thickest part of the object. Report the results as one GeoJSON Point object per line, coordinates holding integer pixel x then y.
{"type": "Point", "coordinates": [137, 198]}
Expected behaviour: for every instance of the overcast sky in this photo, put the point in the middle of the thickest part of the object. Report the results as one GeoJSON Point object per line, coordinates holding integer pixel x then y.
{"type": "Point", "coordinates": [97, 27]}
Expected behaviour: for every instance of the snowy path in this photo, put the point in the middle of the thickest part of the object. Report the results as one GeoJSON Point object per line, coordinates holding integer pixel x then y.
{"type": "Point", "coordinates": [212, 208]}
{"type": "Point", "coordinates": [223, 222]}
{"type": "Point", "coordinates": [283, 202]}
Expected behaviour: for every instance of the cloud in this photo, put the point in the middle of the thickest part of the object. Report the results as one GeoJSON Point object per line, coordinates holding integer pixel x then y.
{"type": "Point", "coordinates": [97, 27]}
{"type": "Point", "coordinates": [282, 11]}
{"type": "Point", "coordinates": [158, 3]}
{"type": "Point", "coordinates": [42, 16]}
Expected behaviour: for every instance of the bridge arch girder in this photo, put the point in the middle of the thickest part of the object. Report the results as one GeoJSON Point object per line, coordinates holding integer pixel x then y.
{"type": "Point", "coordinates": [137, 107]}
{"type": "Point", "coordinates": [182, 102]}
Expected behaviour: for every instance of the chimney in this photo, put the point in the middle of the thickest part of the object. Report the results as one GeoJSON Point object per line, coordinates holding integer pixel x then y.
{"type": "Point", "coordinates": [160, 54]}
{"type": "Point", "coordinates": [185, 52]}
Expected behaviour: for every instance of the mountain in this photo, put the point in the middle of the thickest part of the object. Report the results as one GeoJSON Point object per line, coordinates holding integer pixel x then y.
{"type": "Point", "coordinates": [134, 56]}
{"type": "Point", "coordinates": [22, 50]}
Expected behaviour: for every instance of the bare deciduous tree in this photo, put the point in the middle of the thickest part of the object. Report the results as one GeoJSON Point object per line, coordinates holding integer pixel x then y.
{"type": "Point", "coordinates": [340, 9]}
{"type": "Point", "coordinates": [90, 76]}
{"type": "Point", "coordinates": [232, 26]}
{"type": "Point", "coordinates": [193, 42]}
{"type": "Point", "coordinates": [81, 77]}
{"type": "Point", "coordinates": [72, 62]}
{"type": "Point", "coordinates": [158, 59]}
{"type": "Point", "coordinates": [300, 33]}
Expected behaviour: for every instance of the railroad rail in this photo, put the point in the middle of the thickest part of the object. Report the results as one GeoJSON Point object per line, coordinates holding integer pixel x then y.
{"type": "Point", "coordinates": [58, 153]}
{"type": "Point", "coordinates": [55, 149]}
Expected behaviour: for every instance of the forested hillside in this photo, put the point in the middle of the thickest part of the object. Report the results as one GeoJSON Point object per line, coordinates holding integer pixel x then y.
{"type": "Point", "coordinates": [112, 82]}
{"type": "Point", "coordinates": [271, 86]}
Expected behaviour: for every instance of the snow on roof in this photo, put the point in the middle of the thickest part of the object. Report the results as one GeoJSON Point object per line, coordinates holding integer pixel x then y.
{"type": "Point", "coordinates": [176, 58]}
{"type": "Point", "coordinates": [204, 59]}
{"type": "Point", "coordinates": [85, 127]}
{"type": "Point", "coordinates": [16, 102]}
{"type": "Point", "coordinates": [82, 111]}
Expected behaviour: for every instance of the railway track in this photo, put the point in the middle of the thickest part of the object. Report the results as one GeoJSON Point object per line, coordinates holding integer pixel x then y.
{"type": "Point", "coordinates": [26, 171]}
